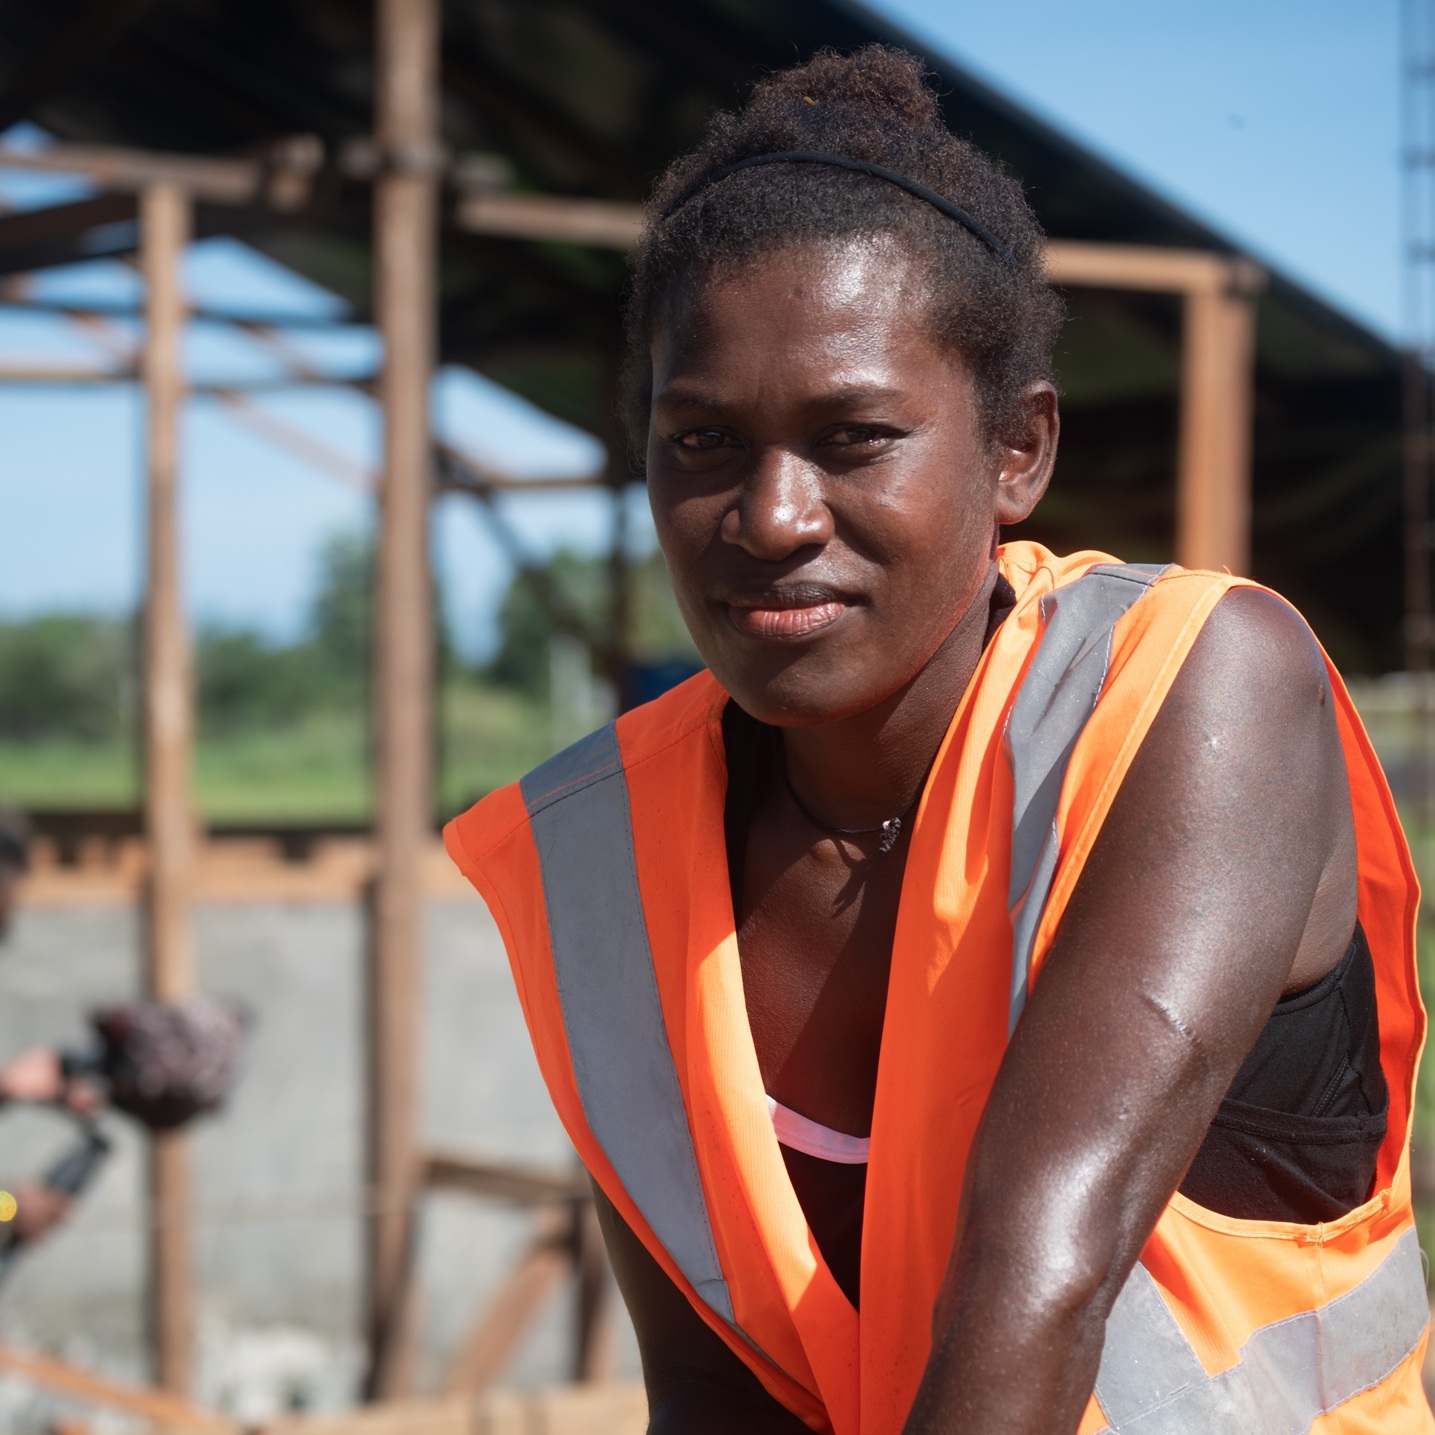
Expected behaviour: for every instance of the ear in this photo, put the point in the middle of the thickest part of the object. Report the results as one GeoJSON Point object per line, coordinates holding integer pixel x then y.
{"type": "Point", "coordinates": [1026, 455]}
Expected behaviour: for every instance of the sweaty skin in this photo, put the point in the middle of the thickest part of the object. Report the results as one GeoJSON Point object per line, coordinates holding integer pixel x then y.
{"type": "Point", "coordinates": [827, 501]}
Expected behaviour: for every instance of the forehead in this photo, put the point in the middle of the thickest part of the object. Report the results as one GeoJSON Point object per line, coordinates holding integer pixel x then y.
{"type": "Point", "coordinates": [839, 305]}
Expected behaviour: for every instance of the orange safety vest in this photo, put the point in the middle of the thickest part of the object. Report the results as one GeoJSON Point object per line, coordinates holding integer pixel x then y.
{"type": "Point", "coordinates": [606, 872]}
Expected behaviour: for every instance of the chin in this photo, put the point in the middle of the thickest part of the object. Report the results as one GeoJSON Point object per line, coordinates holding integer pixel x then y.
{"type": "Point", "coordinates": [793, 690]}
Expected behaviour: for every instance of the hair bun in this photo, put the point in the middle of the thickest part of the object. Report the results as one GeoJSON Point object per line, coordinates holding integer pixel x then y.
{"type": "Point", "coordinates": [886, 83]}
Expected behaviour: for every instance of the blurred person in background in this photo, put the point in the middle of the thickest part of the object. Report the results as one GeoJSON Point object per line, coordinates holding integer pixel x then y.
{"type": "Point", "coordinates": [36, 1076]}
{"type": "Point", "coordinates": [14, 863]}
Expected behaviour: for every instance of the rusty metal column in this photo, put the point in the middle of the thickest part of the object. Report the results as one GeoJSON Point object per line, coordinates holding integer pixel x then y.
{"type": "Point", "coordinates": [168, 703]}
{"type": "Point", "coordinates": [405, 261]}
{"type": "Point", "coordinates": [1213, 482]}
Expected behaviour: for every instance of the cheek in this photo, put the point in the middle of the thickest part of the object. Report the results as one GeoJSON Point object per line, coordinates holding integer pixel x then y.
{"type": "Point", "coordinates": [933, 560]}
{"type": "Point", "coordinates": [684, 531]}
{"type": "Point", "coordinates": [675, 521]}
{"type": "Point", "coordinates": [930, 535]}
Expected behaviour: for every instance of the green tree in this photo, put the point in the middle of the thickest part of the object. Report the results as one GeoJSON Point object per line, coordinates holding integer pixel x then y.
{"type": "Point", "coordinates": [66, 675]}
{"type": "Point", "coordinates": [246, 682]}
{"type": "Point", "coordinates": [656, 630]}
{"type": "Point", "coordinates": [341, 619]}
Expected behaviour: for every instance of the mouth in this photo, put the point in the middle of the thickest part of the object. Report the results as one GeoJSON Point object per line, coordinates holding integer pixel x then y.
{"type": "Point", "coordinates": [788, 613]}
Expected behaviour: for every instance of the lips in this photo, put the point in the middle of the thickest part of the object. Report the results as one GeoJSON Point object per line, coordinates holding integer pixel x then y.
{"type": "Point", "coordinates": [786, 613]}
{"type": "Point", "coordinates": [785, 622]}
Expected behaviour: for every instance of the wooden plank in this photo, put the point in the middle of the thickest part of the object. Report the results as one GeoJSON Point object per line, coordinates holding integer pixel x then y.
{"type": "Point", "coordinates": [221, 181]}
{"type": "Point", "coordinates": [280, 179]}
{"type": "Point", "coordinates": [405, 261]}
{"type": "Point", "coordinates": [231, 871]}
{"type": "Point", "coordinates": [542, 216]}
{"type": "Point", "coordinates": [1076, 263]}
{"type": "Point", "coordinates": [589, 1410]}
{"type": "Point", "coordinates": [508, 1315]}
{"type": "Point", "coordinates": [168, 1411]}
{"type": "Point", "coordinates": [397, 1417]}
{"type": "Point", "coordinates": [168, 741]}
{"type": "Point", "coordinates": [504, 1181]}
{"type": "Point", "coordinates": [1148, 268]}
{"type": "Point", "coordinates": [619, 1409]}
{"type": "Point", "coordinates": [1213, 476]}
{"type": "Point", "coordinates": [64, 375]}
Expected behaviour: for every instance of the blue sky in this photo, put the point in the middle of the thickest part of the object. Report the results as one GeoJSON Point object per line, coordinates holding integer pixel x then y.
{"type": "Point", "coordinates": [1276, 121]}
{"type": "Point", "coordinates": [1273, 120]}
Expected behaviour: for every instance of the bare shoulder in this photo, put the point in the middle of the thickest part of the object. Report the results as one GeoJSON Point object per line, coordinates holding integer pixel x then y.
{"type": "Point", "coordinates": [1239, 789]}
{"type": "Point", "coordinates": [1256, 650]}
{"type": "Point", "coordinates": [1250, 714]}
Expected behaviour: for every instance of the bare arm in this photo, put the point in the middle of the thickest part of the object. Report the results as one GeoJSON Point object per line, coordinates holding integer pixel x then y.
{"type": "Point", "coordinates": [1224, 875]}
{"type": "Point", "coordinates": [696, 1385]}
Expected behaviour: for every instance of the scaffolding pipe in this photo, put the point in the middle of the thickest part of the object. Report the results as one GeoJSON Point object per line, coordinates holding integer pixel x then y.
{"type": "Point", "coordinates": [168, 704]}
{"type": "Point", "coordinates": [405, 260]}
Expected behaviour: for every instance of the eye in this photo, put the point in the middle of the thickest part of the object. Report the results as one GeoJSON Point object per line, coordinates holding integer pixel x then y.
{"type": "Point", "coordinates": [701, 440]}
{"type": "Point", "coordinates": [860, 437]}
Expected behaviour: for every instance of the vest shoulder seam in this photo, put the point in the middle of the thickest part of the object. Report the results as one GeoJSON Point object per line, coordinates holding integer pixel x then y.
{"type": "Point", "coordinates": [686, 735]}
{"type": "Point", "coordinates": [461, 829]}
{"type": "Point", "coordinates": [623, 766]}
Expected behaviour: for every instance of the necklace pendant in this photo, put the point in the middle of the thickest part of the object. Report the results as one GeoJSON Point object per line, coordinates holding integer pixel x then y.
{"type": "Point", "coordinates": [891, 830]}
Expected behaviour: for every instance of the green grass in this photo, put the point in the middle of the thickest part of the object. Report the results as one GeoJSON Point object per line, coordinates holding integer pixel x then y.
{"type": "Point", "coordinates": [58, 772]}
{"type": "Point", "coordinates": [315, 770]}
{"type": "Point", "coordinates": [488, 737]}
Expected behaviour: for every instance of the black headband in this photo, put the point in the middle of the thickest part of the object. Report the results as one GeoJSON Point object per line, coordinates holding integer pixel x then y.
{"type": "Point", "coordinates": [860, 166]}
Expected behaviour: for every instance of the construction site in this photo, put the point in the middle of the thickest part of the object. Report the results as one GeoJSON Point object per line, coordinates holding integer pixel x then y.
{"type": "Point", "coordinates": [384, 1228]}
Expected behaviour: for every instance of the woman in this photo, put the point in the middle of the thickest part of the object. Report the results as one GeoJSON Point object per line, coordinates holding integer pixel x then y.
{"type": "Point", "coordinates": [985, 1000]}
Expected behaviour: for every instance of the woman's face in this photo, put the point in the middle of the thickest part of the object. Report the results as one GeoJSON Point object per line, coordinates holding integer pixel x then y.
{"type": "Point", "coordinates": [822, 490]}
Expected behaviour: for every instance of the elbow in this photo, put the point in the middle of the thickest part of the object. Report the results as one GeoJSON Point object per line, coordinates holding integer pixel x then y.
{"type": "Point", "coordinates": [1057, 1258]}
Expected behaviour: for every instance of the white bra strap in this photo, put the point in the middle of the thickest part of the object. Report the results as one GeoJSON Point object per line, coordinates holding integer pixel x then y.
{"type": "Point", "coordinates": [799, 1133]}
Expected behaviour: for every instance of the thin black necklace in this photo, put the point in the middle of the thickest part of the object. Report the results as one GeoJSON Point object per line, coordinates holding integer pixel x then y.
{"type": "Point", "coordinates": [891, 829]}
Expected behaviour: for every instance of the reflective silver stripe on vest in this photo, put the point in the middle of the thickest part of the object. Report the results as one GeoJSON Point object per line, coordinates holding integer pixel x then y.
{"type": "Point", "coordinates": [578, 806]}
{"type": "Point", "coordinates": [1290, 1373]}
{"type": "Point", "coordinates": [1057, 696]}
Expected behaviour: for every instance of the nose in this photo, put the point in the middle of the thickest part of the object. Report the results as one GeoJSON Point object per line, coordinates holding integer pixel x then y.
{"type": "Point", "coordinates": [779, 509]}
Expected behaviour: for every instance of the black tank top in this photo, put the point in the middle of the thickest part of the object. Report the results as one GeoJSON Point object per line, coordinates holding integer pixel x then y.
{"type": "Point", "coordinates": [1297, 1136]}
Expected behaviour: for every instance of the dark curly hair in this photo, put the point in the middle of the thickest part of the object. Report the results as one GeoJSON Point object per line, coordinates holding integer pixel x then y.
{"type": "Point", "coordinates": [873, 105]}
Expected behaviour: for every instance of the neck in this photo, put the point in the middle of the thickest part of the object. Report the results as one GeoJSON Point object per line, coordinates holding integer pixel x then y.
{"type": "Point", "coordinates": [861, 770]}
